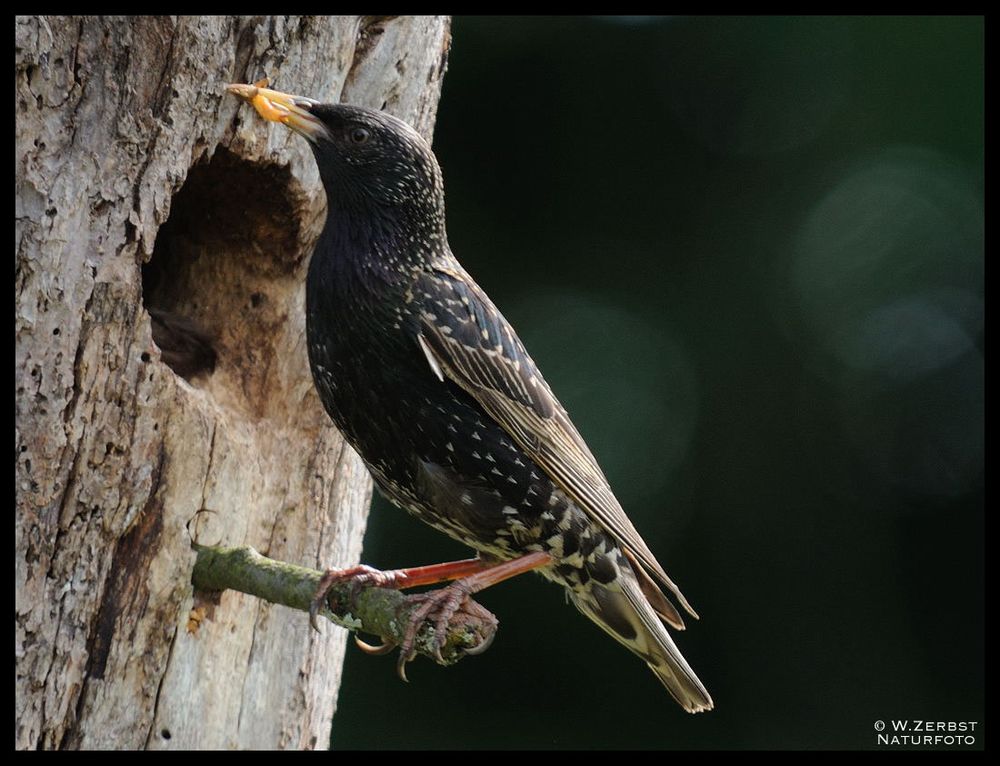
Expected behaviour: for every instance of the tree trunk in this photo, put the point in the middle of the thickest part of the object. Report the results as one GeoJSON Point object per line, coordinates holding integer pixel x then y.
{"type": "Point", "coordinates": [142, 187]}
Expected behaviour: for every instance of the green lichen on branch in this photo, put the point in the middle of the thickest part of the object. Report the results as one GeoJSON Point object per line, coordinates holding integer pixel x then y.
{"type": "Point", "coordinates": [377, 611]}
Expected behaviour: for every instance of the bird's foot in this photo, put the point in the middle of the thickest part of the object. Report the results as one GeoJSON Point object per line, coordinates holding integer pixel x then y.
{"type": "Point", "coordinates": [412, 577]}
{"type": "Point", "coordinates": [358, 577]}
{"type": "Point", "coordinates": [446, 608]}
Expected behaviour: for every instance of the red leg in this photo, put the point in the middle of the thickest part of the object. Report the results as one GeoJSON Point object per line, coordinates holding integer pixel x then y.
{"type": "Point", "coordinates": [435, 573]}
{"type": "Point", "coordinates": [489, 574]}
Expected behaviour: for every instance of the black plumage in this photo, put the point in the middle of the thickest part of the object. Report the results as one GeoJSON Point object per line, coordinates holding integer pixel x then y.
{"type": "Point", "coordinates": [437, 394]}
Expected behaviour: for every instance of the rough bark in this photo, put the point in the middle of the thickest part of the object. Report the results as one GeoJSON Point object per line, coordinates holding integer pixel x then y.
{"type": "Point", "coordinates": [141, 184]}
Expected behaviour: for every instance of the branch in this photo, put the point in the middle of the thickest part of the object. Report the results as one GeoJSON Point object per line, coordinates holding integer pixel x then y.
{"type": "Point", "coordinates": [378, 611]}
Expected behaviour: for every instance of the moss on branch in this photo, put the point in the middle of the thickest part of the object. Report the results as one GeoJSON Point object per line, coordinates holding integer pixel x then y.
{"type": "Point", "coordinates": [378, 611]}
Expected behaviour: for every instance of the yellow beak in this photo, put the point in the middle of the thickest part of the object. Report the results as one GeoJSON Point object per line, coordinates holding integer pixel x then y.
{"type": "Point", "coordinates": [275, 106]}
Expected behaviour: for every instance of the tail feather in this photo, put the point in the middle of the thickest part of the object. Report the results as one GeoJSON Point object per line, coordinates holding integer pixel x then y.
{"type": "Point", "coordinates": [660, 603]}
{"type": "Point", "coordinates": [628, 617]}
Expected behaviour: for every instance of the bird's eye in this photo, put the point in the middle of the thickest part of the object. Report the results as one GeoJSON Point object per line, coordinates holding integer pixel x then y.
{"type": "Point", "coordinates": [360, 135]}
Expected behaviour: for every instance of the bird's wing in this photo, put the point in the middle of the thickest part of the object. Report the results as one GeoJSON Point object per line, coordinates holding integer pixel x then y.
{"type": "Point", "coordinates": [467, 339]}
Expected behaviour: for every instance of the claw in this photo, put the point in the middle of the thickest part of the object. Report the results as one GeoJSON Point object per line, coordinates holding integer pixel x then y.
{"type": "Point", "coordinates": [314, 608]}
{"type": "Point", "coordinates": [401, 665]}
{"type": "Point", "coordinates": [482, 647]}
{"type": "Point", "coordinates": [319, 601]}
{"type": "Point", "coordinates": [384, 648]}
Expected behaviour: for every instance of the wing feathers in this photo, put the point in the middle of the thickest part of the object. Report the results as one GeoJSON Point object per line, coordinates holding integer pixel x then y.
{"type": "Point", "coordinates": [500, 375]}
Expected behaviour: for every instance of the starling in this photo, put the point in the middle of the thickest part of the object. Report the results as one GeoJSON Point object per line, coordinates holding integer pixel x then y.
{"type": "Point", "coordinates": [185, 346]}
{"type": "Point", "coordinates": [436, 393]}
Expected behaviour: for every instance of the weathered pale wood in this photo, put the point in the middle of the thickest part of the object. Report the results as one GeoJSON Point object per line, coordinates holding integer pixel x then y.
{"type": "Point", "coordinates": [115, 453]}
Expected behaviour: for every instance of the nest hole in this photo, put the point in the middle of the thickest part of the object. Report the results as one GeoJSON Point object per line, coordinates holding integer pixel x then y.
{"type": "Point", "coordinates": [216, 287]}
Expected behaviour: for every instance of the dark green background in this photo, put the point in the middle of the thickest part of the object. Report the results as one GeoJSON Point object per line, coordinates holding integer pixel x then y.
{"type": "Point", "coordinates": [747, 254]}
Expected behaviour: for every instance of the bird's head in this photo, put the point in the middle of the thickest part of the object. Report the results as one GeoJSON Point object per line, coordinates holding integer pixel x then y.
{"type": "Point", "coordinates": [365, 157]}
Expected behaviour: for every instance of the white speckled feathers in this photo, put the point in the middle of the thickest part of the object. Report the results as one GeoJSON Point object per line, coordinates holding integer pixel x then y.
{"type": "Point", "coordinates": [478, 350]}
